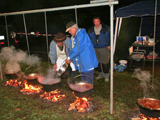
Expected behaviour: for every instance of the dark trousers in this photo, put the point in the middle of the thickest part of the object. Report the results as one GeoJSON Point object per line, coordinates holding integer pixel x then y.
{"type": "Point", "coordinates": [89, 79]}
{"type": "Point", "coordinates": [105, 67]}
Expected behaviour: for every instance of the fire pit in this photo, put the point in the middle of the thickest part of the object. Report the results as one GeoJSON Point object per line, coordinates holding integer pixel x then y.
{"type": "Point", "coordinates": [53, 96]}
{"type": "Point", "coordinates": [81, 89]}
{"type": "Point", "coordinates": [81, 105]}
{"type": "Point", "coordinates": [13, 83]}
{"type": "Point", "coordinates": [149, 107]}
{"type": "Point", "coordinates": [31, 89]}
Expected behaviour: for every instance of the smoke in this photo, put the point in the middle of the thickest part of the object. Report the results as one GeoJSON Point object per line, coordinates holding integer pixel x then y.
{"type": "Point", "coordinates": [14, 57]}
{"type": "Point", "coordinates": [12, 67]}
{"type": "Point", "coordinates": [144, 77]}
{"type": "Point", "coordinates": [81, 87]}
{"type": "Point", "coordinates": [49, 79]}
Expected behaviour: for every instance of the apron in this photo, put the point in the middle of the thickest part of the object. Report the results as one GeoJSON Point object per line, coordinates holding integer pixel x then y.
{"type": "Point", "coordinates": [61, 57]}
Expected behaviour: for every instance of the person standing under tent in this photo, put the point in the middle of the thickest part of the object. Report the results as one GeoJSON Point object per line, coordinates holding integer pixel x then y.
{"type": "Point", "coordinates": [59, 50]}
{"type": "Point", "coordinates": [82, 53]}
{"type": "Point", "coordinates": [99, 34]}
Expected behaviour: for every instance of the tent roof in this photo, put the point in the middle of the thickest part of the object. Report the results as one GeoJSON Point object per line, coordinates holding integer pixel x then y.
{"type": "Point", "coordinates": [141, 8]}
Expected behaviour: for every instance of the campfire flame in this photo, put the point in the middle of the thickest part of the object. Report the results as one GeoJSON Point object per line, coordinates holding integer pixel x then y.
{"type": "Point", "coordinates": [144, 117]}
{"type": "Point", "coordinates": [30, 89]}
{"type": "Point", "coordinates": [13, 83]}
{"type": "Point", "coordinates": [81, 105]}
{"type": "Point", "coordinates": [53, 96]}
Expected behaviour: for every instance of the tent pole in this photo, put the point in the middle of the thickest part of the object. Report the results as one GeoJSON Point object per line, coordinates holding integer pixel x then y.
{"type": "Point", "coordinates": [45, 16]}
{"type": "Point", "coordinates": [117, 31]}
{"type": "Point", "coordinates": [111, 60]}
{"type": "Point", "coordinates": [155, 16]}
{"type": "Point", "coordinates": [26, 34]}
{"type": "Point", "coordinates": [7, 30]}
{"type": "Point", "coordinates": [1, 75]}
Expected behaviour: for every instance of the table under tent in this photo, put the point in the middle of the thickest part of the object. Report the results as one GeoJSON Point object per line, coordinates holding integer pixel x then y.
{"type": "Point", "coordinates": [137, 19]}
{"type": "Point", "coordinates": [93, 3]}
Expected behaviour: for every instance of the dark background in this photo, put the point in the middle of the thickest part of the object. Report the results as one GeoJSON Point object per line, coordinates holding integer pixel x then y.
{"type": "Point", "coordinates": [56, 20]}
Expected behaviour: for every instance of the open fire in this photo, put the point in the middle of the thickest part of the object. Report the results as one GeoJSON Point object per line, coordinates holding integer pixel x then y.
{"type": "Point", "coordinates": [30, 89]}
{"type": "Point", "coordinates": [144, 117]}
{"type": "Point", "coordinates": [13, 83]}
{"type": "Point", "coordinates": [81, 105]}
{"type": "Point", "coordinates": [53, 96]}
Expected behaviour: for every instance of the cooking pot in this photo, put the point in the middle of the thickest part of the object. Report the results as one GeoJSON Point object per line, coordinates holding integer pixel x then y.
{"type": "Point", "coordinates": [85, 86]}
{"type": "Point", "coordinates": [64, 71]}
{"type": "Point", "coordinates": [148, 107]}
{"type": "Point", "coordinates": [50, 87]}
{"type": "Point", "coordinates": [32, 79]}
{"type": "Point", "coordinates": [10, 74]}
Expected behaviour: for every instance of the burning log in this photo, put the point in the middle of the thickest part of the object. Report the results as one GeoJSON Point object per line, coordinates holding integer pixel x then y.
{"type": "Point", "coordinates": [13, 83]}
{"type": "Point", "coordinates": [144, 117]}
{"type": "Point", "coordinates": [30, 89]}
{"type": "Point", "coordinates": [53, 96]}
{"type": "Point", "coordinates": [81, 105]}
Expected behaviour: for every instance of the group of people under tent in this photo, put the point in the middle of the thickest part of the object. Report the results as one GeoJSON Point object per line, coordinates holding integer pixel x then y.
{"type": "Point", "coordinates": [84, 51]}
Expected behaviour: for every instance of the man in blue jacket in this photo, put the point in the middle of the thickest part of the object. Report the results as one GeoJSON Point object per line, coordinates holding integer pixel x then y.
{"type": "Point", "coordinates": [82, 53]}
{"type": "Point", "coordinates": [100, 37]}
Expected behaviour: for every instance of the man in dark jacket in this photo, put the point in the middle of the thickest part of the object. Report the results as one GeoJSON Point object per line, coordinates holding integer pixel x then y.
{"type": "Point", "coordinates": [100, 37]}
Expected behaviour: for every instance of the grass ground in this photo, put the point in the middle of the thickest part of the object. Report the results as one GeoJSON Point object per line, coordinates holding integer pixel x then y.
{"type": "Point", "coordinates": [18, 106]}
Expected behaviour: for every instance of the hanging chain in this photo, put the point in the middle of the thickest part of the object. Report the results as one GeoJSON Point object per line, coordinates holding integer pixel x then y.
{"type": "Point", "coordinates": [78, 39]}
{"type": "Point", "coordinates": [155, 15]}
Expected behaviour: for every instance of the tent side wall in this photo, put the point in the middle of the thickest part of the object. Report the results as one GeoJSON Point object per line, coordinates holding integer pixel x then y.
{"type": "Point", "coordinates": [129, 29]}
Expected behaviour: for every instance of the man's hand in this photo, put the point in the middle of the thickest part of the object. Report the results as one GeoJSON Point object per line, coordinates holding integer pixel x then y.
{"type": "Point", "coordinates": [68, 61]}
{"type": "Point", "coordinates": [109, 48]}
{"type": "Point", "coordinates": [55, 67]}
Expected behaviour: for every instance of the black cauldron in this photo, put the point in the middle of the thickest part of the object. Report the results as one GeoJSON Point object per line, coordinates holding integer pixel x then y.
{"type": "Point", "coordinates": [154, 113]}
{"type": "Point", "coordinates": [80, 83]}
{"type": "Point", "coordinates": [11, 74]}
{"type": "Point", "coordinates": [50, 87]}
{"type": "Point", "coordinates": [32, 79]}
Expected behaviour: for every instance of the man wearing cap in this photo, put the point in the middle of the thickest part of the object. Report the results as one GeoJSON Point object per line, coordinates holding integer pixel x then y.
{"type": "Point", "coordinates": [59, 50]}
{"type": "Point", "coordinates": [100, 37]}
{"type": "Point", "coordinates": [82, 53]}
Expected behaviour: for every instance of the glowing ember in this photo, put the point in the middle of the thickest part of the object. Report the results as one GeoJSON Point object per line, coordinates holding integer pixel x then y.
{"type": "Point", "coordinates": [30, 89]}
{"type": "Point", "coordinates": [13, 83]}
{"type": "Point", "coordinates": [81, 105]}
{"type": "Point", "coordinates": [143, 117]}
{"type": "Point", "coordinates": [53, 96]}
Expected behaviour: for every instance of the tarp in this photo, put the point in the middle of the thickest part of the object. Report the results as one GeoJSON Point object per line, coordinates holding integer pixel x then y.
{"type": "Point", "coordinates": [141, 8]}
{"type": "Point", "coordinates": [137, 19]}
